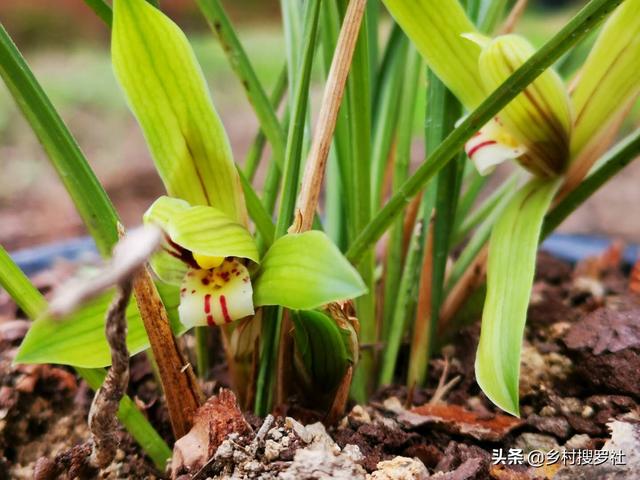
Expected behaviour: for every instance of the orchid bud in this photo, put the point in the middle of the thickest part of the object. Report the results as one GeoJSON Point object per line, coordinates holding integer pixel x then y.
{"type": "Point", "coordinates": [540, 117]}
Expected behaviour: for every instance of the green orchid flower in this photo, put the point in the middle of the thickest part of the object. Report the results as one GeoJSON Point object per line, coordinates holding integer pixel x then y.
{"type": "Point", "coordinates": [215, 262]}
{"type": "Point", "coordinates": [547, 129]}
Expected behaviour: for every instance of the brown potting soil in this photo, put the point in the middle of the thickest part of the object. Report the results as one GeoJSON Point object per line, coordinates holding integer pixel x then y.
{"type": "Point", "coordinates": [579, 389]}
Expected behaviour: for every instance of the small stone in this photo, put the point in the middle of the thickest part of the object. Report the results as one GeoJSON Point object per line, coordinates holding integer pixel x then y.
{"type": "Point", "coordinates": [353, 452]}
{"type": "Point", "coordinates": [275, 434]}
{"type": "Point", "coordinates": [393, 404]}
{"type": "Point", "coordinates": [360, 414]}
{"type": "Point", "coordinates": [225, 450]}
{"type": "Point", "coordinates": [536, 441]}
{"type": "Point", "coordinates": [587, 411]}
{"type": "Point", "coordinates": [579, 442]}
{"type": "Point", "coordinates": [548, 411]}
{"type": "Point", "coordinates": [119, 455]}
{"type": "Point", "coordinates": [253, 466]}
{"type": "Point", "coordinates": [570, 405]}
{"type": "Point", "coordinates": [239, 456]}
{"type": "Point", "coordinates": [271, 450]}
{"type": "Point", "coordinates": [557, 426]}
{"type": "Point", "coordinates": [527, 410]}
{"type": "Point", "coordinates": [300, 430]}
{"type": "Point", "coordinates": [558, 329]}
{"type": "Point", "coordinates": [400, 468]}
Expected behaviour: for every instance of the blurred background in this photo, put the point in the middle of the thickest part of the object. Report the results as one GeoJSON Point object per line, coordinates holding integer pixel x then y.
{"type": "Point", "coordinates": [68, 49]}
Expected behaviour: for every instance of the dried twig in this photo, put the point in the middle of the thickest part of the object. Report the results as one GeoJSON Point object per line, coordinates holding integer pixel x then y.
{"type": "Point", "coordinates": [444, 387]}
{"type": "Point", "coordinates": [514, 16]}
{"type": "Point", "coordinates": [181, 389]}
{"type": "Point", "coordinates": [331, 101]}
{"type": "Point", "coordinates": [102, 416]}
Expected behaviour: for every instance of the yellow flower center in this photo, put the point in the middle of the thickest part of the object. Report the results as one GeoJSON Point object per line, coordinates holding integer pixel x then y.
{"type": "Point", "coordinates": [206, 262]}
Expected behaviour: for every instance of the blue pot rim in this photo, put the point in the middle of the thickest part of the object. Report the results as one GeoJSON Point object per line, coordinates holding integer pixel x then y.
{"type": "Point", "coordinates": [567, 247]}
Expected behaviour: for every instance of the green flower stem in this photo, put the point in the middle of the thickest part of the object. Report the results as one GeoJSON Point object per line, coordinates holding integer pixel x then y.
{"type": "Point", "coordinates": [219, 21]}
{"type": "Point", "coordinates": [586, 19]}
{"type": "Point", "coordinates": [612, 162]}
{"type": "Point", "coordinates": [89, 197]}
{"type": "Point", "coordinates": [289, 191]}
{"type": "Point", "coordinates": [33, 304]}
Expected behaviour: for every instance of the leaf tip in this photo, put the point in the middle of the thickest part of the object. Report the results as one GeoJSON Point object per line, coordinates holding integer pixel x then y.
{"type": "Point", "coordinates": [494, 386]}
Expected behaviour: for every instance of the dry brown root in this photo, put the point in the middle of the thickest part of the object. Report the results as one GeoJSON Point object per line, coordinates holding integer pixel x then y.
{"type": "Point", "coordinates": [102, 416]}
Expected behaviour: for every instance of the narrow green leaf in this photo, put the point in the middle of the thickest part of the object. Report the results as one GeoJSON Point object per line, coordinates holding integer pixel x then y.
{"type": "Point", "coordinates": [386, 120]}
{"type": "Point", "coordinates": [510, 268]}
{"type": "Point", "coordinates": [257, 212]}
{"type": "Point", "coordinates": [436, 28]}
{"type": "Point", "coordinates": [89, 197]}
{"type": "Point", "coordinates": [167, 92]}
{"type": "Point", "coordinates": [359, 116]}
{"type": "Point", "coordinates": [491, 13]}
{"type": "Point", "coordinates": [574, 30]}
{"type": "Point", "coordinates": [406, 123]}
{"type": "Point", "coordinates": [322, 347]}
{"type": "Point", "coordinates": [19, 288]}
{"type": "Point", "coordinates": [79, 339]}
{"type": "Point", "coordinates": [219, 21]}
{"type": "Point", "coordinates": [305, 271]}
{"type": "Point", "coordinates": [295, 135]}
{"type": "Point", "coordinates": [256, 150]}
{"type": "Point", "coordinates": [406, 294]}
{"type": "Point", "coordinates": [443, 109]}
{"type": "Point", "coordinates": [610, 76]}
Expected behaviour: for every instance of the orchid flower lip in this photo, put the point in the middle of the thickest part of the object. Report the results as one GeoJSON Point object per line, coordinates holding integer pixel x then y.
{"type": "Point", "coordinates": [216, 296]}
{"type": "Point", "coordinates": [492, 145]}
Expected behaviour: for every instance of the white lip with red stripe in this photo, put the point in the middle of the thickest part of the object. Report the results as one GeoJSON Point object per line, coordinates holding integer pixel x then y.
{"type": "Point", "coordinates": [487, 148]}
{"type": "Point", "coordinates": [217, 296]}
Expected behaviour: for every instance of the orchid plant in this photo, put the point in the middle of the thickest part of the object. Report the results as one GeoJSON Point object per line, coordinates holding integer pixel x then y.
{"type": "Point", "coordinates": [549, 129]}
{"type": "Point", "coordinates": [308, 306]}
